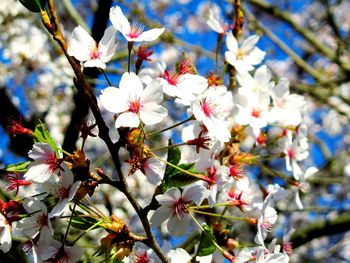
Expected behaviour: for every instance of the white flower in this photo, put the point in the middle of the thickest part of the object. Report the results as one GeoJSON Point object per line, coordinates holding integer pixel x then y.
{"type": "Point", "coordinates": [184, 86]}
{"type": "Point", "coordinates": [84, 48]}
{"type": "Point", "coordinates": [134, 32]}
{"type": "Point", "coordinates": [214, 24]}
{"type": "Point", "coordinates": [64, 188]}
{"type": "Point", "coordinates": [253, 108]}
{"type": "Point", "coordinates": [45, 164]}
{"type": "Point", "coordinates": [64, 254]}
{"type": "Point", "coordinates": [153, 169]}
{"type": "Point", "coordinates": [264, 256]}
{"type": "Point", "coordinates": [209, 109]}
{"type": "Point", "coordinates": [261, 81]}
{"type": "Point", "coordinates": [174, 208]}
{"type": "Point", "coordinates": [37, 224]}
{"type": "Point", "coordinates": [133, 102]}
{"type": "Point", "coordinates": [245, 57]}
{"type": "Point", "coordinates": [267, 218]}
{"type": "Point", "coordinates": [5, 236]}
{"type": "Point", "coordinates": [287, 107]}
{"type": "Point", "coordinates": [178, 255]}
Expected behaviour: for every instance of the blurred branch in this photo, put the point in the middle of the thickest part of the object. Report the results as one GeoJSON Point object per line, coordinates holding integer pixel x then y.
{"type": "Point", "coordinates": [327, 227]}
{"type": "Point", "coordinates": [318, 76]}
{"type": "Point", "coordinates": [302, 30]}
{"type": "Point", "coordinates": [74, 15]}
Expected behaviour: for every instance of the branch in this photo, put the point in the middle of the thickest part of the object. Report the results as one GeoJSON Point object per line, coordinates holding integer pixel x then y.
{"type": "Point", "coordinates": [81, 107]}
{"type": "Point", "coordinates": [327, 227]}
{"type": "Point", "coordinates": [302, 30]}
{"type": "Point", "coordinates": [294, 56]}
{"type": "Point", "coordinates": [86, 91]}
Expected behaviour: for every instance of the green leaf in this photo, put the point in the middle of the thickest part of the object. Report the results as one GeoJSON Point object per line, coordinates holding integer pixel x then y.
{"type": "Point", "coordinates": [17, 167]}
{"type": "Point", "coordinates": [43, 135]}
{"type": "Point", "coordinates": [206, 245]}
{"type": "Point", "coordinates": [178, 178]}
{"type": "Point", "coordinates": [83, 223]}
{"type": "Point", "coordinates": [174, 155]}
{"type": "Point", "coordinates": [34, 5]}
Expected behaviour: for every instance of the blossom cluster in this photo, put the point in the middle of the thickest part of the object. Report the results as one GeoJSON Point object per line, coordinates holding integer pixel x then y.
{"type": "Point", "coordinates": [230, 130]}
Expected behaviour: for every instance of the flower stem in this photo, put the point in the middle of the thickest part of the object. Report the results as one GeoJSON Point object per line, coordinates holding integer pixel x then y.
{"type": "Point", "coordinates": [85, 232]}
{"type": "Point", "coordinates": [199, 176]}
{"type": "Point", "coordinates": [217, 215]}
{"type": "Point", "coordinates": [106, 77]}
{"type": "Point", "coordinates": [69, 223]}
{"type": "Point", "coordinates": [170, 127]}
{"type": "Point", "coordinates": [130, 45]}
{"type": "Point", "coordinates": [168, 146]}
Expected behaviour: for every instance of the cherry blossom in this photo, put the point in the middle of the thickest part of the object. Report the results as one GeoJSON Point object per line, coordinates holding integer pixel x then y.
{"type": "Point", "coordinates": [58, 253]}
{"type": "Point", "coordinates": [245, 57]}
{"type": "Point", "coordinates": [37, 224]}
{"type": "Point", "coordinates": [45, 165]}
{"type": "Point", "coordinates": [133, 102]}
{"type": "Point", "coordinates": [267, 218]}
{"type": "Point", "coordinates": [64, 188]}
{"type": "Point", "coordinates": [215, 24]}
{"type": "Point", "coordinates": [174, 208]}
{"type": "Point", "coordinates": [178, 255]}
{"type": "Point", "coordinates": [134, 32]}
{"type": "Point", "coordinates": [5, 237]}
{"type": "Point", "coordinates": [84, 48]}
{"type": "Point", "coordinates": [288, 108]}
{"type": "Point", "coordinates": [210, 109]}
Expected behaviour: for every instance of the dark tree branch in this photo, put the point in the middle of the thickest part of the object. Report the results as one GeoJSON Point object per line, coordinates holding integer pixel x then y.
{"type": "Point", "coordinates": [81, 107]}
{"type": "Point", "coordinates": [328, 227]}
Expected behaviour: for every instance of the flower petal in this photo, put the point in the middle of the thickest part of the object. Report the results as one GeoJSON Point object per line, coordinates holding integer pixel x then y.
{"type": "Point", "coordinates": [127, 119]}
{"type": "Point", "coordinates": [81, 44]}
{"type": "Point", "coordinates": [119, 21]}
{"type": "Point", "coordinates": [107, 45]}
{"type": "Point", "coordinates": [152, 113]}
{"type": "Point", "coordinates": [114, 100]}
{"type": "Point", "coordinates": [150, 35]}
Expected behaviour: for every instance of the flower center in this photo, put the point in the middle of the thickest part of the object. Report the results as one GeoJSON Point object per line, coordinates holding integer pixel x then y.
{"type": "Point", "coordinates": [207, 107]}
{"type": "Point", "coordinates": [180, 208]}
{"type": "Point", "coordinates": [256, 113]}
{"type": "Point", "coordinates": [95, 53]}
{"type": "Point", "coordinates": [135, 106]}
{"type": "Point", "coordinates": [63, 192]}
{"type": "Point", "coordinates": [135, 30]}
{"type": "Point", "coordinates": [41, 220]}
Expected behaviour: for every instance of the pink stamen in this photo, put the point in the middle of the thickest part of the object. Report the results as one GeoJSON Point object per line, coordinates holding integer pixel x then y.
{"type": "Point", "coordinates": [135, 30]}
{"type": "Point", "coordinates": [135, 106]}
{"type": "Point", "coordinates": [207, 107]}
{"type": "Point", "coordinates": [180, 208]}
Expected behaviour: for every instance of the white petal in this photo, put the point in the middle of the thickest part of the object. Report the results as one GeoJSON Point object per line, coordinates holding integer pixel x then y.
{"type": "Point", "coordinates": [195, 193]}
{"type": "Point", "coordinates": [231, 58]}
{"type": "Point", "coordinates": [74, 188]}
{"type": "Point", "coordinates": [38, 172]}
{"type": "Point", "coordinates": [107, 45]}
{"type": "Point", "coordinates": [132, 83]}
{"type": "Point", "coordinates": [178, 227]}
{"type": "Point", "coordinates": [127, 119]}
{"type": "Point", "coordinates": [150, 35]}
{"type": "Point", "coordinates": [160, 215]}
{"type": "Point", "coordinates": [41, 151]}
{"type": "Point", "coordinates": [58, 208]}
{"type": "Point", "coordinates": [95, 63]}
{"type": "Point", "coordinates": [169, 197]}
{"type": "Point", "coordinates": [81, 44]}
{"type": "Point", "coordinates": [153, 92]}
{"type": "Point", "coordinates": [152, 113]}
{"type": "Point", "coordinates": [6, 239]}
{"type": "Point", "coordinates": [249, 43]}
{"type": "Point", "coordinates": [114, 100]}
{"type": "Point", "coordinates": [119, 21]}
{"type": "Point", "coordinates": [231, 43]}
